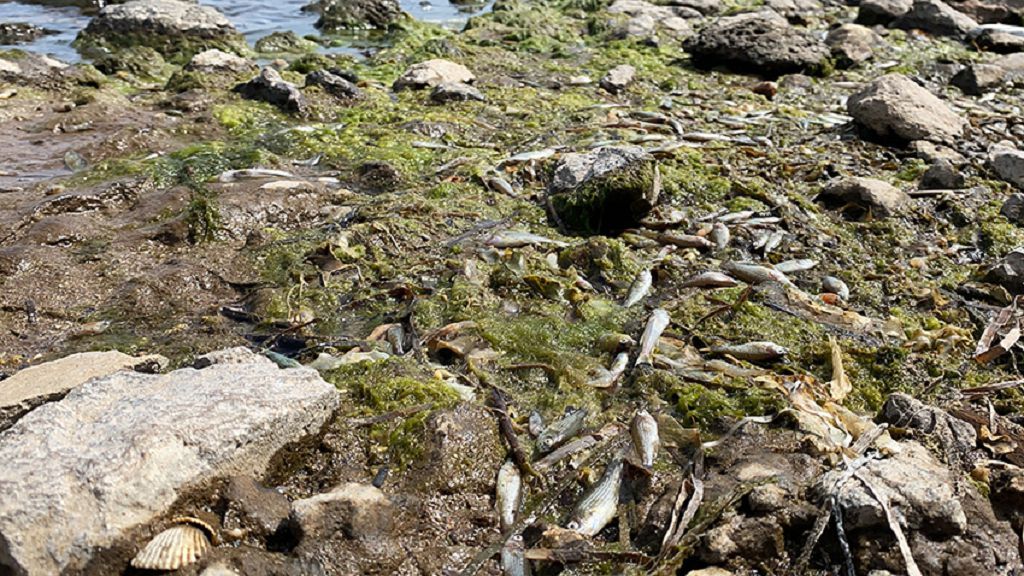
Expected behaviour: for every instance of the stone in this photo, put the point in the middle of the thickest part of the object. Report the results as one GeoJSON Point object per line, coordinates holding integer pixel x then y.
{"type": "Point", "coordinates": [175, 28]}
{"type": "Point", "coordinates": [49, 381]}
{"type": "Point", "coordinates": [895, 106]}
{"type": "Point", "coordinates": [705, 7]}
{"type": "Point", "coordinates": [355, 511]}
{"type": "Point", "coordinates": [645, 20]}
{"type": "Point", "coordinates": [991, 11]}
{"type": "Point", "coordinates": [935, 17]}
{"type": "Point", "coordinates": [118, 451]}
{"type": "Point", "coordinates": [956, 437]}
{"type": "Point", "coordinates": [21, 32]}
{"type": "Point", "coordinates": [618, 78]}
{"type": "Point", "coordinates": [941, 175]}
{"type": "Point", "coordinates": [1013, 64]}
{"type": "Point", "coordinates": [997, 41]}
{"type": "Point", "coordinates": [430, 73]}
{"type": "Point", "coordinates": [140, 61]}
{"type": "Point", "coordinates": [218, 569]}
{"type": "Point", "coordinates": [1008, 164]}
{"type": "Point", "coordinates": [284, 43]}
{"type": "Point", "coordinates": [268, 86]}
{"type": "Point", "coordinates": [356, 14]}
{"type": "Point", "coordinates": [1009, 272]}
{"type": "Point", "coordinates": [931, 152]}
{"type": "Point", "coordinates": [852, 43]}
{"type": "Point", "coordinates": [880, 199]}
{"type": "Point", "coordinates": [462, 451]}
{"type": "Point", "coordinates": [796, 11]}
{"type": "Point", "coordinates": [882, 12]}
{"type": "Point", "coordinates": [603, 191]}
{"type": "Point", "coordinates": [455, 92]}
{"type": "Point", "coordinates": [759, 42]}
{"type": "Point", "coordinates": [977, 79]}
{"type": "Point", "coordinates": [214, 60]}
{"type": "Point", "coordinates": [1013, 208]}
{"type": "Point", "coordinates": [333, 84]}
{"type": "Point", "coordinates": [257, 510]}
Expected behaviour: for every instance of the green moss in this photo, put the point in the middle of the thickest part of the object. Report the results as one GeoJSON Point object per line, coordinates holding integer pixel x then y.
{"type": "Point", "coordinates": [284, 43]}
{"type": "Point", "coordinates": [140, 61]}
{"type": "Point", "coordinates": [175, 48]}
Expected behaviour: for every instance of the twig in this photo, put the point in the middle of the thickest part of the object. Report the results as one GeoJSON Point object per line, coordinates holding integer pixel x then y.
{"type": "Point", "coordinates": [568, 555]}
{"type": "Point", "coordinates": [508, 432]}
{"type": "Point", "coordinates": [400, 413]}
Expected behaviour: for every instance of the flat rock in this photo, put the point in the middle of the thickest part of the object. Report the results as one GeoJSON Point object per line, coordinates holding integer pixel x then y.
{"type": "Point", "coordinates": [994, 40]}
{"type": "Point", "coordinates": [38, 384]}
{"type": "Point", "coordinates": [455, 92]}
{"type": "Point", "coordinates": [942, 175]}
{"type": "Point", "coordinates": [117, 451]}
{"type": "Point", "coordinates": [21, 32]}
{"type": "Point", "coordinates": [852, 43]}
{"type": "Point", "coordinates": [351, 510]}
{"type": "Point", "coordinates": [895, 106]}
{"type": "Point", "coordinates": [759, 42]}
{"type": "Point", "coordinates": [977, 79]}
{"type": "Point", "coordinates": [333, 84]}
{"type": "Point", "coordinates": [430, 73]}
{"type": "Point", "coordinates": [1013, 64]}
{"type": "Point", "coordinates": [268, 86]}
{"type": "Point", "coordinates": [881, 199]}
{"type": "Point", "coordinates": [257, 510]}
{"type": "Point", "coordinates": [936, 17]}
{"type": "Point", "coordinates": [618, 78]}
{"type": "Point", "coordinates": [462, 452]}
{"type": "Point", "coordinates": [883, 12]}
{"type": "Point", "coordinates": [1008, 164]}
{"type": "Point", "coordinates": [214, 60]}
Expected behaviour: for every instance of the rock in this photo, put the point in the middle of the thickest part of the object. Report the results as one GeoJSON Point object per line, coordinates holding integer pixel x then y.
{"type": "Point", "coordinates": [1009, 272]}
{"type": "Point", "coordinates": [976, 79]}
{"type": "Point", "coordinates": [997, 41]}
{"type": "Point", "coordinates": [705, 7]}
{"type": "Point", "coordinates": [357, 511]}
{"type": "Point", "coordinates": [50, 381]}
{"type": "Point", "coordinates": [356, 14]}
{"type": "Point", "coordinates": [250, 507]}
{"type": "Point", "coordinates": [1013, 208]}
{"type": "Point", "coordinates": [795, 11]}
{"type": "Point", "coordinates": [462, 452]}
{"type": "Point", "coordinates": [140, 61]}
{"type": "Point", "coordinates": [941, 175]}
{"type": "Point", "coordinates": [758, 42]}
{"type": "Point", "coordinates": [956, 437]}
{"type": "Point", "coordinates": [645, 20]}
{"type": "Point", "coordinates": [931, 152]}
{"type": "Point", "coordinates": [333, 84]}
{"type": "Point", "coordinates": [174, 28]}
{"type": "Point", "coordinates": [712, 571]}
{"type": "Point", "coordinates": [117, 451]}
{"type": "Point", "coordinates": [894, 106]}
{"type": "Point", "coordinates": [214, 60]}
{"type": "Point", "coordinates": [284, 43]}
{"type": "Point", "coordinates": [915, 483]}
{"type": "Point", "coordinates": [431, 73]}
{"type": "Point", "coordinates": [603, 191]}
{"type": "Point", "coordinates": [936, 17]}
{"type": "Point", "coordinates": [455, 92]}
{"type": "Point", "coordinates": [268, 86]}
{"type": "Point", "coordinates": [218, 570]}
{"type": "Point", "coordinates": [852, 43]}
{"type": "Point", "coordinates": [1013, 64]}
{"type": "Point", "coordinates": [991, 11]}
{"type": "Point", "coordinates": [1008, 164]}
{"type": "Point", "coordinates": [618, 78]}
{"type": "Point", "coordinates": [741, 537]}
{"type": "Point", "coordinates": [21, 32]}
{"type": "Point", "coordinates": [880, 199]}
{"type": "Point", "coordinates": [882, 12]}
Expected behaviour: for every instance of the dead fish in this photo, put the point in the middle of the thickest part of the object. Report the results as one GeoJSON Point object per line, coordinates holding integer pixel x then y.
{"type": "Point", "coordinates": [508, 494]}
{"type": "Point", "coordinates": [309, 162]}
{"type": "Point", "coordinates": [178, 546]}
{"type": "Point", "coordinates": [720, 235]}
{"type": "Point", "coordinates": [535, 424]}
{"type": "Point", "coordinates": [614, 342]}
{"type": "Point", "coordinates": [639, 289]}
{"type": "Point", "coordinates": [764, 221]}
{"type": "Point", "coordinates": [662, 217]}
{"type": "Point", "coordinates": [248, 173]}
{"type": "Point", "coordinates": [513, 561]}
{"type": "Point", "coordinates": [835, 286]}
{"type": "Point", "coordinates": [499, 184]}
{"type": "Point", "coordinates": [644, 430]}
{"type": "Point", "coordinates": [519, 238]}
{"type": "Point", "coordinates": [774, 241]}
{"type": "Point", "coordinates": [735, 216]}
{"type": "Point", "coordinates": [581, 283]}
{"type": "Point", "coordinates": [595, 510]}
{"type": "Point", "coordinates": [656, 324]}
{"type": "Point", "coordinates": [680, 240]}
{"type": "Point", "coordinates": [752, 351]}
{"type": "Point", "coordinates": [797, 265]}
{"type": "Point", "coordinates": [755, 273]}
{"type": "Point", "coordinates": [711, 280]}
{"type": "Point", "coordinates": [529, 156]}
{"type": "Point", "coordinates": [561, 430]}
{"type": "Point", "coordinates": [609, 377]}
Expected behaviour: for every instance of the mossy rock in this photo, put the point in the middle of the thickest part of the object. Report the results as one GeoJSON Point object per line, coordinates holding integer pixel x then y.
{"type": "Point", "coordinates": [139, 61]}
{"type": "Point", "coordinates": [284, 43]}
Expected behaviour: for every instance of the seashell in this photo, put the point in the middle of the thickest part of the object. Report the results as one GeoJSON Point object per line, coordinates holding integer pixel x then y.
{"type": "Point", "coordinates": [180, 545]}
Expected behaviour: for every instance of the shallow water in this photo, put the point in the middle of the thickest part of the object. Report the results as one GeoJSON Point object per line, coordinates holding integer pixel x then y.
{"type": "Point", "coordinates": [254, 18]}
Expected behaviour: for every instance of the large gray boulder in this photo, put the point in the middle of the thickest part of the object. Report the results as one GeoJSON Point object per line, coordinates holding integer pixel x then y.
{"type": "Point", "coordinates": [175, 28]}
{"type": "Point", "coordinates": [117, 451]}
{"type": "Point", "coordinates": [895, 106]}
{"type": "Point", "coordinates": [356, 14]}
{"type": "Point", "coordinates": [936, 17]}
{"type": "Point", "coordinates": [759, 42]}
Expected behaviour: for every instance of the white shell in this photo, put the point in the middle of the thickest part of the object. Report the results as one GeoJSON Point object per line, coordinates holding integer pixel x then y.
{"type": "Point", "coordinates": [173, 548]}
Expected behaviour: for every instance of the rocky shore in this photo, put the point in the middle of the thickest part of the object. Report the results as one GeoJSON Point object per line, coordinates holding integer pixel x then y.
{"type": "Point", "coordinates": [707, 287]}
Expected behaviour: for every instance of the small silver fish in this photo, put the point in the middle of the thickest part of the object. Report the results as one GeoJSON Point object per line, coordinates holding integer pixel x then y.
{"type": "Point", "coordinates": [508, 493]}
{"type": "Point", "coordinates": [753, 351]}
{"type": "Point", "coordinates": [513, 562]}
{"type": "Point", "coordinates": [561, 430]}
{"type": "Point", "coordinates": [656, 324]}
{"type": "Point", "coordinates": [710, 280]}
{"type": "Point", "coordinates": [754, 273]}
{"type": "Point", "coordinates": [835, 286]}
{"type": "Point", "coordinates": [797, 265]}
{"type": "Point", "coordinates": [675, 239]}
{"type": "Point", "coordinates": [609, 377]}
{"type": "Point", "coordinates": [499, 184]}
{"type": "Point", "coordinates": [599, 506]}
{"type": "Point", "coordinates": [720, 235]}
{"type": "Point", "coordinates": [519, 238]}
{"type": "Point", "coordinates": [529, 156]}
{"type": "Point", "coordinates": [736, 216]}
{"type": "Point", "coordinates": [774, 241]}
{"type": "Point", "coordinates": [763, 221]}
{"type": "Point", "coordinates": [233, 175]}
{"type": "Point", "coordinates": [535, 425]}
{"type": "Point", "coordinates": [644, 430]}
{"type": "Point", "coordinates": [639, 289]}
